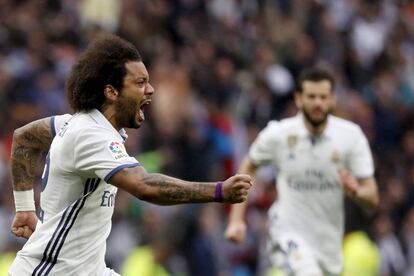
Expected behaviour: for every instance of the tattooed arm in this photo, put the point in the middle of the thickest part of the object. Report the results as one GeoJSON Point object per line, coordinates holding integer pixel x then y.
{"type": "Point", "coordinates": [165, 190]}
{"type": "Point", "coordinates": [29, 143]}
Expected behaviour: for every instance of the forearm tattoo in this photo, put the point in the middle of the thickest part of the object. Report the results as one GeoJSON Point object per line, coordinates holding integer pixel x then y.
{"type": "Point", "coordinates": [169, 190]}
{"type": "Point", "coordinates": [29, 142]}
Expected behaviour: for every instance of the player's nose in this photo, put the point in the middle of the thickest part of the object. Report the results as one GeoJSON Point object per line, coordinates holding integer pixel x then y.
{"type": "Point", "coordinates": [149, 89]}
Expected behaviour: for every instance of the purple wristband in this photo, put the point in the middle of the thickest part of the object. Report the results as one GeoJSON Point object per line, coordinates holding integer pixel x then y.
{"type": "Point", "coordinates": [218, 196]}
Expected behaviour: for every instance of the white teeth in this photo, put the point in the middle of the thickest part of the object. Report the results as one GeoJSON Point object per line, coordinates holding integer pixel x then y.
{"type": "Point", "coordinates": [141, 114]}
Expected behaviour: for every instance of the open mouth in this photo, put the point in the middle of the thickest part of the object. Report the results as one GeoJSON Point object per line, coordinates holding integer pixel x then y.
{"type": "Point", "coordinates": [141, 114]}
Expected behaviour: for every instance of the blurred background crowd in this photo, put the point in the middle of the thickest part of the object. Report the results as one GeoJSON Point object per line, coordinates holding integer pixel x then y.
{"type": "Point", "coordinates": [221, 70]}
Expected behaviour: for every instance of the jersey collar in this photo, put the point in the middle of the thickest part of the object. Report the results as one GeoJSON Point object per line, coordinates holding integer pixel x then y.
{"type": "Point", "coordinates": [101, 120]}
{"type": "Point", "coordinates": [305, 132]}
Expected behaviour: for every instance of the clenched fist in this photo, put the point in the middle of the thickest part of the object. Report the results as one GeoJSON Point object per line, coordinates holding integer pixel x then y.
{"type": "Point", "coordinates": [236, 231]}
{"type": "Point", "coordinates": [24, 224]}
{"type": "Point", "coordinates": [236, 188]}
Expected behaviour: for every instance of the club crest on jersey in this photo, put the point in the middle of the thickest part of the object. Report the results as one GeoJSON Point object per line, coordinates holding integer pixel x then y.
{"type": "Point", "coordinates": [292, 140]}
{"type": "Point", "coordinates": [335, 158]}
{"type": "Point", "coordinates": [117, 150]}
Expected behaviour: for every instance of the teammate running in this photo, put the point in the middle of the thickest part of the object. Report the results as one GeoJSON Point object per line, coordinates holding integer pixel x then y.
{"type": "Point", "coordinates": [318, 157]}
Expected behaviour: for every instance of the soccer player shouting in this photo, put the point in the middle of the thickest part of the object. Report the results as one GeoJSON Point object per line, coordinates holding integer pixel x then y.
{"type": "Point", "coordinates": [87, 162]}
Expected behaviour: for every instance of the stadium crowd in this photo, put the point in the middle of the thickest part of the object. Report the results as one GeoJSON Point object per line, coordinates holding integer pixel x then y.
{"type": "Point", "coordinates": [221, 70]}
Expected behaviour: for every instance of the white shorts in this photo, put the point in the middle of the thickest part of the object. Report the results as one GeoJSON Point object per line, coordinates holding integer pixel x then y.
{"type": "Point", "coordinates": [290, 254]}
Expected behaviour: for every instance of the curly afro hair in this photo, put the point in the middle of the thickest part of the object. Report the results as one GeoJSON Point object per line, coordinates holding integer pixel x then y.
{"type": "Point", "coordinates": [102, 63]}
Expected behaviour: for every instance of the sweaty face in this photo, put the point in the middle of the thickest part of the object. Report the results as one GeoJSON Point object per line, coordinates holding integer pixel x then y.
{"type": "Point", "coordinates": [316, 101]}
{"type": "Point", "coordinates": [135, 94]}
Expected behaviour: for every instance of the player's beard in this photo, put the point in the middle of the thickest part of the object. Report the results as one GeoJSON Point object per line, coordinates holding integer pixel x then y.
{"type": "Point", "coordinates": [126, 111]}
{"type": "Point", "coordinates": [316, 122]}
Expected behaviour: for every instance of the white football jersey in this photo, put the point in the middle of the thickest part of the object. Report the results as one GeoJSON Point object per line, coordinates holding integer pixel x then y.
{"type": "Point", "coordinates": [76, 200]}
{"type": "Point", "coordinates": [310, 196]}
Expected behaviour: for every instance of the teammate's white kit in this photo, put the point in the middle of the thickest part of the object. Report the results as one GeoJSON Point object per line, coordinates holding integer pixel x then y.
{"type": "Point", "coordinates": [307, 221]}
{"type": "Point", "coordinates": [76, 201]}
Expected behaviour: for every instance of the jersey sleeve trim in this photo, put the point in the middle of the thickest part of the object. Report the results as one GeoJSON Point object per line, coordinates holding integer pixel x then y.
{"type": "Point", "coordinates": [52, 126]}
{"type": "Point", "coordinates": [117, 169]}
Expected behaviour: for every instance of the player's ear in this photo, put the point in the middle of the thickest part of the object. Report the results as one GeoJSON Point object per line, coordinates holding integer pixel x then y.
{"type": "Point", "coordinates": [298, 100]}
{"type": "Point", "coordinates": [110, 92]}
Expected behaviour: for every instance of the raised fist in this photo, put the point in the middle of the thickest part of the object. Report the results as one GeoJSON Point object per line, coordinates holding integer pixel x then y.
{"type": "Point", "coordinates": [236, 188]}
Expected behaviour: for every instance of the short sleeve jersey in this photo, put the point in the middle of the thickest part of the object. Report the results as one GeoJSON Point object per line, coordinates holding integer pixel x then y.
{"type": "Point", "coordinates": [77, 200]}
{"type": "Point", "coordinates": [310, 201]}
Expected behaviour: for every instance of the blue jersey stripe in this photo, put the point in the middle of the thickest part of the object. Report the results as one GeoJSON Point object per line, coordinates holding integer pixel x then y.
{"type": "Point", "coordinates": [117, 169]}
{"type": "Point", "coordinates": [93, 186]}
{"type": "Point", "coordinates": [65, 224]}
{"type": "Point", "coordinates": [52, 126]}
{"type": "Point", "coordinates": [55, 237]}
{"type": "Point", "coordinates": [45, 176]}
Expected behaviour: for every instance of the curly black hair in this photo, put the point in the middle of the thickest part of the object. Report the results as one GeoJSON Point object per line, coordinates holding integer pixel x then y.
{"type": "Point", "coordinates": [102, 63]}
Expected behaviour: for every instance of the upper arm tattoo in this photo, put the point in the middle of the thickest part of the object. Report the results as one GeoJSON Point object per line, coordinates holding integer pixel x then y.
{"type": "Point", "coordinates": [29, 142]}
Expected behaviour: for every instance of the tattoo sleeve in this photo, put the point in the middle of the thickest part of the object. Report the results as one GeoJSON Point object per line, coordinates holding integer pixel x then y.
{"type": "Point", "coordinates": [29, 143]}
{"type": "Point", "coordinates": [166, 190]}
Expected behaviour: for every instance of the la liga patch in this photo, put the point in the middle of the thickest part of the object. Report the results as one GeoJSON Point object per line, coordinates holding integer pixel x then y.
{"type": "Point", "coordinates": [117, 150]}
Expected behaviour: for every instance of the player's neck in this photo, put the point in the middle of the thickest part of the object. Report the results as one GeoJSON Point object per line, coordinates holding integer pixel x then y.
{"type": "Point", "coordinates": [109, 113]}
{"type": "Point", "coordinates": [315, 129]}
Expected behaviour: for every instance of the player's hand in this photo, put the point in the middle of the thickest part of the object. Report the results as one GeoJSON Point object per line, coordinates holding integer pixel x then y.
{"type": "Point", "coordinates": [236, 188]}
{"type": "Point", "coordinates": [349, 182]}
{"type": "Point", "coordinates": [236, 231]}
{"type": "Point", "coordinates": [24, 224]}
